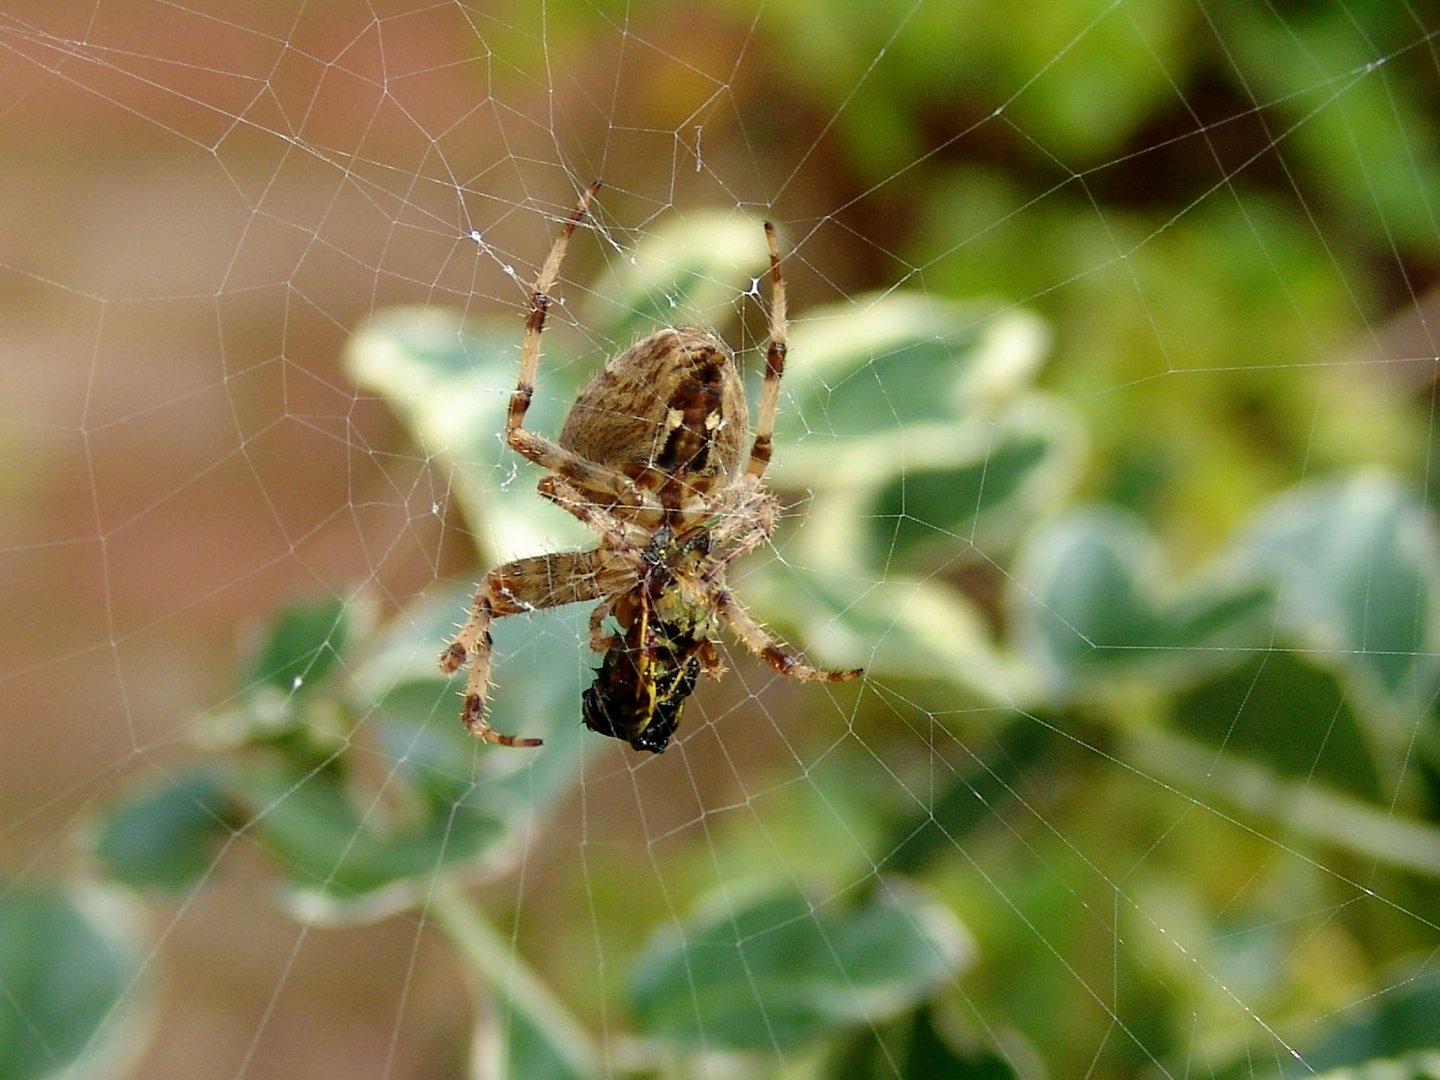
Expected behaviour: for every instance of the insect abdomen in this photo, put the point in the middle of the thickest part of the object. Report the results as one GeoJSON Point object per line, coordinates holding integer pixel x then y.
{"type": "Point", "coordinates": [641, 688]}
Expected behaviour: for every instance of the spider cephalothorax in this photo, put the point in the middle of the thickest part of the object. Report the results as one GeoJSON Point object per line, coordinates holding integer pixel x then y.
{"type": "Point", "coordinates": [652, 457]}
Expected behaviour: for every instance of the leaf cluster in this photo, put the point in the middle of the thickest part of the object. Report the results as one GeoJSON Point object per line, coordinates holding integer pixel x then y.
{"type": "Point", "coordinates": [1044, 690]}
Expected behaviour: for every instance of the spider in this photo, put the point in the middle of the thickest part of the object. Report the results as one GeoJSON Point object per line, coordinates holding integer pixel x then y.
{"type": "Point", "coordinates": [651, 457]}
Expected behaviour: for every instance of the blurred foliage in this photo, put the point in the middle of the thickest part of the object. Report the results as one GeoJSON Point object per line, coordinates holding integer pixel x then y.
{"type": "Point", "coordinates": [1156, 722]}
{"type": "Point", "coordinates": [1286, 685]}
{"type": "Point", "coordinates": [1240, 187]}
{"type": "Point", "coordinates": [68, 970]}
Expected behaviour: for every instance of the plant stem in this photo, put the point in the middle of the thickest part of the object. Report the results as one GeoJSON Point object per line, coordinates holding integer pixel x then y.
{"type": "Point", "coordinates": [534, 1024]}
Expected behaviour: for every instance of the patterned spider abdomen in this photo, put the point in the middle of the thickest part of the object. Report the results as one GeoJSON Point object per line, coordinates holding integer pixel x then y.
{"type": "Point", "coordinates": [673, 403]}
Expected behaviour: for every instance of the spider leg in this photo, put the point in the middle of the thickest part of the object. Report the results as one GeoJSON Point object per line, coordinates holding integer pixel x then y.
{"type": "Point", "coordinates": [600, 641]}
{"type": "Point", "coordinates": [537, 448]}
{"type": "Point", "coordinates": [611, 528]}
{"type": "Point", "coordinates": [774, 364]}
{"type": "Point", "coordinates": [710, 662]}
{"type": "Point", "coordinates": [535, 320]}
{"type": "Point", "coordinates": [532, 584]}
{"type": "Point", "coordinates": [754, 638]}
{"type": "Point", "coordinates": [742, 528]}
{"type": "Point", "coordinates": [587, 474]}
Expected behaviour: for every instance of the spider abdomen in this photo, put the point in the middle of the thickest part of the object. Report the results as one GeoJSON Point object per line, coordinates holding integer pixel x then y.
{"type": "Point", "coordinates": [671, 403]}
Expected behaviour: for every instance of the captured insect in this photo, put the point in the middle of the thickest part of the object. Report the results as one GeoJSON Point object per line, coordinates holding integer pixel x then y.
{"type": "Point", "coordinates": [652, 458]}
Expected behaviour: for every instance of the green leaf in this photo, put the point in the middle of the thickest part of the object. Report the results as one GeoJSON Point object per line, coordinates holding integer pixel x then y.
{"type": "Point", "coordinates": [349, 860]}
{"type": "Point", "coordinates": [1401, 1021]}
{"type": "Point", "coordinates": [917, 630]}
{"type": "Point", "coordinates": [880, 385]}
{"type": "Point", "coordinates": [776, 971]}
{"type": "Point", "coordinates": [1357, 567]}
{"type": "Point", "coordinates": [937, 825]}
{"type": "Point", "coordinates": [1288, 714]}
{"type": "Point", "coordinates": [919, 1048]}
{"type": "Point", "coordinates": [419, 729]}
{"type": "Point", "coordinates": [1392, 1036]}
{"type": "Point", "coordinates": [450, 381]}
{"type": "Point", "coordinates": [277, 698]}
{"type": "Point", "coordinates": [432, 799]}
{"type": "Point", "coordinates": [541, 666]}
{"type": "Point", "coordinates": [68, 972]}
{"type": "Point", "coordinates": [979, 486]}
{"type": "Point", "coordinates": [1092, 599]}
{"type": "Point", "coordinates": [1421, 1065]}
{"type": "Point", "coordinates": [167, 837]}
{"type": "Point", "coordinates": [1379, 185]}
{"type": "Point", "coordinates": [301, 645]}
{"type": "Point", "coordinates": [690, 272]}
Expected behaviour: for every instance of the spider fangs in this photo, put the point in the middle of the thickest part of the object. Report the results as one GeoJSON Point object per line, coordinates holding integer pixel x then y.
{"type": "Point", "coordinates": [651, 457]}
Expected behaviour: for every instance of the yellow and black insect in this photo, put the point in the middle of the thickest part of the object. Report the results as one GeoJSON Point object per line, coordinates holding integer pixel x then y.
{"type": "Point", "coordinates": [642, 684]}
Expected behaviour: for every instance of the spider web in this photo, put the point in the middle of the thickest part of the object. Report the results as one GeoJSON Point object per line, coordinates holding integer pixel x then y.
{"type": "Point", "coordinates": [1202, 238]}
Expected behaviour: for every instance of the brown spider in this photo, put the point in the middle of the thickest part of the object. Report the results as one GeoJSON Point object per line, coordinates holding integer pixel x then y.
{"type": "Point", "coordinates": [650, 458]}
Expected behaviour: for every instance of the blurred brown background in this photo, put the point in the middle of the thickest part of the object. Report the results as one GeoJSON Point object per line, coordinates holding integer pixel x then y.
{"type": "Point", "coordinates": [198, 206]}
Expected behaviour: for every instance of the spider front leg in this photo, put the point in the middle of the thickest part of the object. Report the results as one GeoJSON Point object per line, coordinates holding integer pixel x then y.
{"type": "Point", "coordinates": [535, 320]}
{"type": "Point", "coordinates": [610, 528]}
{"type": "Point", "coordinates": [531, 584]}
{"type": "Point", "coordinates": [774, 364]}
{"type": "Point", "coordinates": [544, 452]}
{"type": "Point", "coordinates": [749, 523]}
{"type": "Point", "coordinates": [754, 638]}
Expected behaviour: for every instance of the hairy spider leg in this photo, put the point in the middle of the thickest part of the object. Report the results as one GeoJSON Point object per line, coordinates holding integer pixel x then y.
{"type": "Point", "coordinates": [745, 523]}
{"type": "Point", "coordinates": [530, 584]}
{"type": "Point", "coordinates": [545, 452]}
{"type": "Point", "coordinates": [774, 364]}
{"type": "Point", "coordinates": [611, 529]}
{"type": "Point", "coordinates": [755, 638]}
